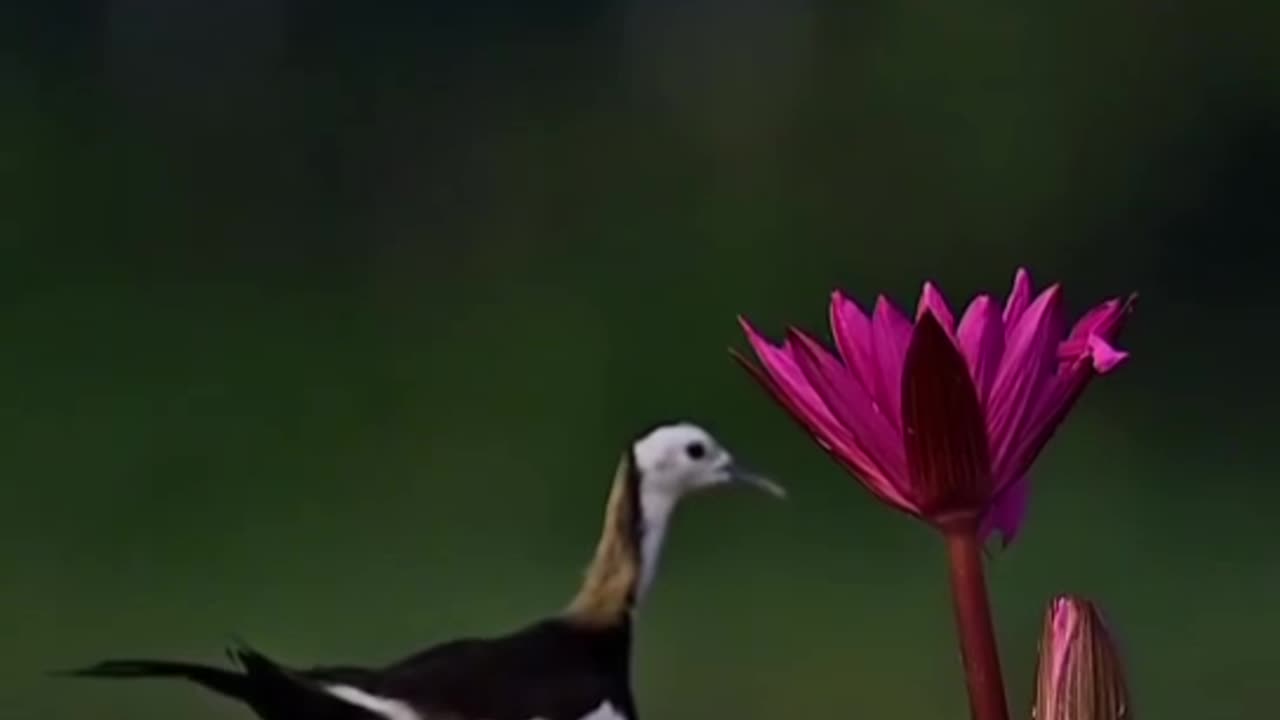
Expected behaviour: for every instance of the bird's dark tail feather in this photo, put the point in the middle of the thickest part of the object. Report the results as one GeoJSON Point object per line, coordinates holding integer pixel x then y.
{"type": "Point", "coordinates": [225, 682]}
{"type": "Point", "coordinates": [273, 691]}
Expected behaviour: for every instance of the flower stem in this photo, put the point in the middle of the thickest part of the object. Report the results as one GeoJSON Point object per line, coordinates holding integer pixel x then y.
{"type": "Point", "coordinates": [973, 623]}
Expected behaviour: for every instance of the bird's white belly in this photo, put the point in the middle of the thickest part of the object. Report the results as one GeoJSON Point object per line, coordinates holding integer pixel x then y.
{"type": "Point", "coordinates": [606, 711]}
{"type": "Point", "coordinates": [393, 709]}
{"type": "Point", "coordinates": [389, 708]}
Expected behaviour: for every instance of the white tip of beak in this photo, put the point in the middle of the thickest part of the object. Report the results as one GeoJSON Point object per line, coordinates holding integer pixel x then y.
{"type": "Point", "coordinates": [746, 477]}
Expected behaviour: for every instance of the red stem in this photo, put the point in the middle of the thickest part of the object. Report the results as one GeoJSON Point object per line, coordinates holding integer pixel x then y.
{"type": "Point", "coordinates": [973, 623]}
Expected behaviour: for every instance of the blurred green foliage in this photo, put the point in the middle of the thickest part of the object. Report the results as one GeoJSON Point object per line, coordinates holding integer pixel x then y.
{"type": "Point", "coordinates": [324, 327]}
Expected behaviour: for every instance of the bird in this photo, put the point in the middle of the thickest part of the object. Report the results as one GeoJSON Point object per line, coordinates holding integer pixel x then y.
{"type": "Point", "coordinates": [571, 665]}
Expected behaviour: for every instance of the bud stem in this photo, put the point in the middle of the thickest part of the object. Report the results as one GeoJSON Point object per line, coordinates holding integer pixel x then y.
{"type": "Point", "coordinates": [973, 623]}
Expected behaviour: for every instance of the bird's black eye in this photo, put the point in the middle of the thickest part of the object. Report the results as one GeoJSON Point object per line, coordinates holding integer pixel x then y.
{"type": "Point", "coordinates": [696, 450]}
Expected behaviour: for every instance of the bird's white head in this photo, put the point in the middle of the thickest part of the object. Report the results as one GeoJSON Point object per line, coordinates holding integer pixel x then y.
{"type": "Point", "coordinates": [674, 460]}
{"type": "Point", "coordinates": [662, 466]}
{"type": "Point", "coordinates": [669, 463]}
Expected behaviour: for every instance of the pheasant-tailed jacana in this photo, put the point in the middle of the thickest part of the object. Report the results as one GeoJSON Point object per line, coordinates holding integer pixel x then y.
{"type": "Point", "coordinates": [572, 666]}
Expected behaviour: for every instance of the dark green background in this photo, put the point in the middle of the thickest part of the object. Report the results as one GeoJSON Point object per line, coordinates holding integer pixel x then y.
{"type": "Point", "coordinates": [325, 327]}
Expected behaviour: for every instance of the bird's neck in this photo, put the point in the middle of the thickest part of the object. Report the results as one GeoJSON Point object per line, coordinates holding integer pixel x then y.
{"type": "Point", "coordinates": [626, 557]}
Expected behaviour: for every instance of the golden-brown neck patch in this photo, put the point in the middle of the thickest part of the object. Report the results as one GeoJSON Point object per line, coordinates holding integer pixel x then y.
{"type": "Point", "coordinates": [608, 591]}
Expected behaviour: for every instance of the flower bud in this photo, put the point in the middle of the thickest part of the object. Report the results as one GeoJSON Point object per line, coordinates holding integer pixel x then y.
{"type": "Point", "coordinates": [1080, 675]}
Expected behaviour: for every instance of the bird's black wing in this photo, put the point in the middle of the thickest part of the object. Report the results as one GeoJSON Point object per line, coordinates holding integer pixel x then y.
{"type": "Point", "coordinates": [360, 677]}
{"type": "Point", "coordinates": [281, 693]}
{"type": "Point", "coordinates": [553, 669]}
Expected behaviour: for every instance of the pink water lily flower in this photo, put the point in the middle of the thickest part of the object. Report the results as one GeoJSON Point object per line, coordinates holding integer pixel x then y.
{"type": "Point", "coordinates": [941, 419]}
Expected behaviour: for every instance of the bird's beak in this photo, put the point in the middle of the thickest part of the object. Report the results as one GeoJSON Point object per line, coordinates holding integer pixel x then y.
{"type": "Point", "coordinates": [739, 474]}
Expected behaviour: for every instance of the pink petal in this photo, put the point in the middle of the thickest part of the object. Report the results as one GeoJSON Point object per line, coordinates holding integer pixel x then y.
{"type": "Point", "coordinates": [780, 363]}
{"type": "Point", "coordinates": [788, 384]}
{"type": "Point", "coordinates": [931, 299]}
{"type": "Point", "coordinates": [804, 407]}
{"type": "Point", "coordinates": [943, 428]}
{"type": "Point", "coordinates": [1105, 358]}
{"type": "Point", "coordinates": [785, 381]}
{"type": "Point", "coordinates": [1051, 409]}
{"type": "Point", "coordinates": [1100, 320]}
{"type": "Point", "coordinates": [1066, 624]}
{"type": "Point", "coordinates": [1055, 404]}
{"type": "Point", "coordinates": [851, 329]}
{"type": "Point", "coordinates": [981, 340]}
{"type": "Point", "coordinates": [890, 333]}
{"type": "Point", "coordinates": [878, 444]}
{"type": "Point", "coordinates": [1080, 358]}
{"type": "Point", "coordinates": [1105, 321]}
{"type": "Point", "coordinates": [1007, 511]}
{"type": "Point", "coordinates": [1028, 365]}
{"type": "Point", "coordinates": [1019, 297]}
